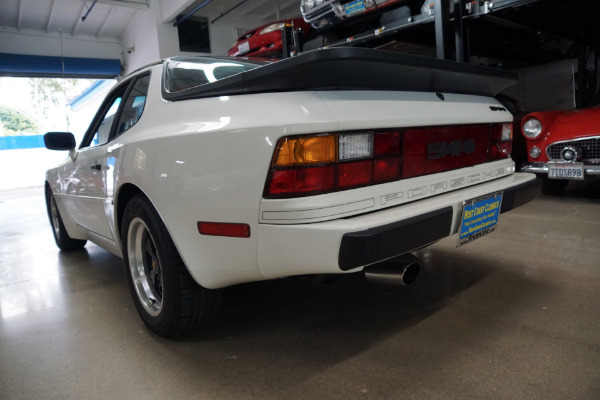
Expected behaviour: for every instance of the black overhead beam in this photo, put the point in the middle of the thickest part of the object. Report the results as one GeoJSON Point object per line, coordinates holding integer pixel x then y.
{"type": "Point", "coordinates": [442, 21]}
{"type": "Point", "coordinates": [459, 29]}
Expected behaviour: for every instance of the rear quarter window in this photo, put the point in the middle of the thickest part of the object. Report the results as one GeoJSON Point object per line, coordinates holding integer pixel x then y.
{"type": "Point", "coordinates": [134, 105]}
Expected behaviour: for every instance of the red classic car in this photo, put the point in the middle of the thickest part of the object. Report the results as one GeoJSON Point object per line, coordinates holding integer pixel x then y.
{"type": "Point", "coordinates": [265, 41]}
{"type": "Point", "coordinates": [562, 146]}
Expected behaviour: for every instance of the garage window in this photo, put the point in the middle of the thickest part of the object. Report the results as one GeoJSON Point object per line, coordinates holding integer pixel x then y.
{"type": "Point", "coordinates": [194, 35]}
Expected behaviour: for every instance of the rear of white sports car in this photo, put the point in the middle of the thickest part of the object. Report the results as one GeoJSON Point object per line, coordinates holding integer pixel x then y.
{"type": "Point", "coordinates": [333, 162]}
{"type": "Point", "coordinates": [320, 179]}
{"type": "Point", "coordinates": [393, 178]}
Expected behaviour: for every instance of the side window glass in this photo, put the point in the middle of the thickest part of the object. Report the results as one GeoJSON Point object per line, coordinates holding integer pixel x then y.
{"type": "Point", "coordinates": [102, 133]}
{"type": "Point", "coordinates": [134, 105]}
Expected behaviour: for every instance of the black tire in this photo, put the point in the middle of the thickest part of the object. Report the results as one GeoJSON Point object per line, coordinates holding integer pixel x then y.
{"type": "Point", "coordinates": [167, 298]}
{"type": "Point", "coordinates": [553, 187]}
{"type": "Point", "coordinates": [61, 237]}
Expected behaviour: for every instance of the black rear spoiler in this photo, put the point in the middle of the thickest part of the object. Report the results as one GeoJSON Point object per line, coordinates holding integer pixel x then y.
{"type": "Point", "coordinates": [350, 68]}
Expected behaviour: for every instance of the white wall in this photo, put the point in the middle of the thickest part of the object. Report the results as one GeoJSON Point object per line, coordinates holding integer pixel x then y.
{"type": "Point", "coordinates": [149, 37]}
{"type": "Point", "coordinates": [545, 87]}
{"type": "Point", "coordinates": [222, 33]}
{"type": "Point", "coordinates": [31, 165]}
{"type": "Point", "coordinates": [549, 86]}
{"type": "Point", "coordinates": [153, 37]}
{"type": "Point", "coordinates": [140, 42]}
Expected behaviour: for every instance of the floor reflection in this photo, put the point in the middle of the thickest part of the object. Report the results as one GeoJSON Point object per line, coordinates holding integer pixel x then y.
{"type": "Point", "coordinates": [24, 297]}
{"type": "Point", "coordinates": [516, 310]}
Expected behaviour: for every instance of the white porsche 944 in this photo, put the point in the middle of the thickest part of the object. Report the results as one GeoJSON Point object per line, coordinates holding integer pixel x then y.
{"type": "Point", "coordinates": [206, 172]}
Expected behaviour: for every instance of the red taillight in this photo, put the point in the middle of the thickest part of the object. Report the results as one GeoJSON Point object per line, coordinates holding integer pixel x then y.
{"type": "Point", "coordinates": [500, 151]}
{"type": "Point", "coordinates": [386, 169]}
{"type": "Point", "coordinates": [302, 180]}
{"type": "Point", "coordinates": [387, 143]}
{"type": "Point", "coordinates": [500, 146]}
{"type": "Point", "coordinates": [224, 229]}
{"type": "Point", "coordinates": [323, 163]}
{"type": "Point", "coordinates": [354, 174]}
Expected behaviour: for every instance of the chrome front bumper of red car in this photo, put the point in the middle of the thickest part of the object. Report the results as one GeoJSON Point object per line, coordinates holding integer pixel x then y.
{"type": "Point", "coordinates": [544, 167]}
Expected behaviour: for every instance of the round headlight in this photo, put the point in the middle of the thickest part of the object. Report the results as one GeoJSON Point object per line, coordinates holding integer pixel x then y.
{"type": "Point", "coordinates": [307, 4]}
{"type": "Point", "coordinates": [535, 152]}
{"type": "Point", "coordinates": [532, 128]}
{"type": "Point", "coordinates": [271, 28]}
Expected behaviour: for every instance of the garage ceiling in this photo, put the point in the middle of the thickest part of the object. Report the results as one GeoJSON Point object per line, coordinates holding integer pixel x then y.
{"type": "Point", "coordinates": [110, 18]}
{"type": "Point", "coordinates": [267, 10]}
{"type": "Point", "coordinates": [107, 18]}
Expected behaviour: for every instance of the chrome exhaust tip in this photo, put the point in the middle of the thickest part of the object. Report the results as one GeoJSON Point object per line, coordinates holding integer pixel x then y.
{"type": "Point", "coordinates": [401, 270]}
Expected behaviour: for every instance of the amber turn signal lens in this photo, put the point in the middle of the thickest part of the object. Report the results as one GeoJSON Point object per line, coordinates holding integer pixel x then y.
{"type": "Point", "coordinates": [306, 150]}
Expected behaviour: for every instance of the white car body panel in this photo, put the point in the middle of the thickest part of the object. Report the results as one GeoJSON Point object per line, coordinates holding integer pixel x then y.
{"type": "Point", "coordinates": [208, 159]}
{"type": "Point", "coordinates": [279, 254]}
{"type": "Point", "coordinates": [373, 198]}
{"type": "Point", "coordinates": [84, 196]}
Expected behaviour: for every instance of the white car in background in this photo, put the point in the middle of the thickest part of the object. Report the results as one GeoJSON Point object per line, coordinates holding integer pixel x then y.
{"type": "Point", "coordinates": [203, 172]}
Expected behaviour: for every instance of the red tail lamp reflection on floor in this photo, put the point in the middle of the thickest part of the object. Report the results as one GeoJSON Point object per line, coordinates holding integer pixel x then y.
{"type": "Point", "coordinates": [224, 229]}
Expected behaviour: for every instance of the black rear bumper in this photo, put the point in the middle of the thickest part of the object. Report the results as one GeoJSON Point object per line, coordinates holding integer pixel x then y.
{"type": "Point", "coordinates": [377, 244]}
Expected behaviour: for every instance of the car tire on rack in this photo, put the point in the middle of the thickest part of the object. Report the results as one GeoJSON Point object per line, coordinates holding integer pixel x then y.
{"type": "Point", "coordinates": [166, 297]}
{"type": "Point", "coordinates": [61, 237]}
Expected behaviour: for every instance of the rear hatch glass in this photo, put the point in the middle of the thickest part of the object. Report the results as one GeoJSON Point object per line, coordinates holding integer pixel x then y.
{"type": "Point", "coordinates": [183, 73]}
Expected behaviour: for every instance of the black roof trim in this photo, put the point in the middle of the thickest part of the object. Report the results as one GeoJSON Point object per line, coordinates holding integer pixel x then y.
{"type": "Point", "coordinates": [357, 69]}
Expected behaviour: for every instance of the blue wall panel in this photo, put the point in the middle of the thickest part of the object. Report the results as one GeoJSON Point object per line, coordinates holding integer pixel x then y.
{"type": "Point", "coordinates": [21, 142]}
{"type": "Point", "coordinates": [45, 66]}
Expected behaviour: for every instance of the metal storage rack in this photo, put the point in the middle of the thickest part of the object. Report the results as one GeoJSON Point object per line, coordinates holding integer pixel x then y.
{"type": "Point", "coordinates": [508, 30]}
{"type": "Point", "coordinates": [443, 22]}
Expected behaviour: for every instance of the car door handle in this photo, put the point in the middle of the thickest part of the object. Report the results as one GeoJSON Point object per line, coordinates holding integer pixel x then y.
{"type": "Point", "coordinates": [96, 167]}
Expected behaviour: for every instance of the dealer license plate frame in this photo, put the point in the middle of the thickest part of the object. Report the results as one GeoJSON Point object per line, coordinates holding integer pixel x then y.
{"type": "Point", "coordinates": [479, 217]}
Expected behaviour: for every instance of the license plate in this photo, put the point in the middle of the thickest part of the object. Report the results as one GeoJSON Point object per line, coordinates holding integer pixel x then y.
{"type": "Point", "coordinates": [565, 171]}
{"type": "Point", "coordinates": [354, 7]}
{"type": "Point", "coordinates": [479, 217]}
{"type": "Point", "coordinates": [243, 48]}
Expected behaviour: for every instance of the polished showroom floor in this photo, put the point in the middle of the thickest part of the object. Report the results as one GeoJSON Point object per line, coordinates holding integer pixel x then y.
{"type": "Point", "coordinates": [514, 315]}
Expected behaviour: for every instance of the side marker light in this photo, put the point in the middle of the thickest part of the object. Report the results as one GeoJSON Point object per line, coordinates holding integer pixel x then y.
{"type": "Point", "coordinates": [224, 229]}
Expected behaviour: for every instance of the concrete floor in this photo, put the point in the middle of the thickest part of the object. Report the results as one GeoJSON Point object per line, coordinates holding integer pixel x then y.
{"type": "Point", "coordinates": [514, 315]}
